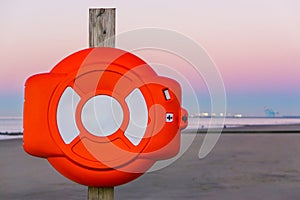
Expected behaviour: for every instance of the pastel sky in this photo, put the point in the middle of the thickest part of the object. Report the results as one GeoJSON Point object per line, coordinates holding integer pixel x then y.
{"type": "Point", "coordinates": [254, 43]}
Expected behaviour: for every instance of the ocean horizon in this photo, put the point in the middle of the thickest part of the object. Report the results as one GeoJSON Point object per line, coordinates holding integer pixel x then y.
{"type": "Point", "coordinates": [15, 124]}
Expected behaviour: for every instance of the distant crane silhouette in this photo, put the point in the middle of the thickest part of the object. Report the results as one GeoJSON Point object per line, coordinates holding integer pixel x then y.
{"type": "Point", "coordinates": [269, 112]}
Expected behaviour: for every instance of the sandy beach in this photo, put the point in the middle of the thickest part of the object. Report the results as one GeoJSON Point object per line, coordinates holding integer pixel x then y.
{"type": "Point", "coordinates": [241, 166]}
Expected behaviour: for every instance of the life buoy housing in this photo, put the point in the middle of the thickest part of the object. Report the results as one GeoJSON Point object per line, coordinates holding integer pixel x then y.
{"type": "Point", "coordinates": [102, 117]}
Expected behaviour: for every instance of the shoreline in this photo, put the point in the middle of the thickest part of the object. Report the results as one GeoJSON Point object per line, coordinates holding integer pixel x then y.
{"type": "Point", "coordinates": [11, 133]}
{"type": "Point", "coordinates": [246, 129]}
{"type": "Point", "coordinates": [257, 129]}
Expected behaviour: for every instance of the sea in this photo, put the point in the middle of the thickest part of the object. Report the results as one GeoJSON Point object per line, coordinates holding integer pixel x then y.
{"type": "Point", "coordinates": [15, 124]}
{"type": "Point", "coordinates": [195, 123]}
{"type": "Point", "coordinates": [10, 125]}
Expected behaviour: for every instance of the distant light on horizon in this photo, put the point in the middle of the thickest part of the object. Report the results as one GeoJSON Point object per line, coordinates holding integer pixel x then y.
{"type": "Point", "coordinates": [238, 115]}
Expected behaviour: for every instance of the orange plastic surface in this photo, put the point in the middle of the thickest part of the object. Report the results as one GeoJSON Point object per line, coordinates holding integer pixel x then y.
{"type": "Point", "coordinates": [102, 161]}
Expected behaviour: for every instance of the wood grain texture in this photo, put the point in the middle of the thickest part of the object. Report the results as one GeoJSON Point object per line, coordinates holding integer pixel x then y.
{"type": "Point", "coordinates": [95, 193]}
{"type": "Point", "coordinates": [101, 34]}
{"type": "Point", "coordinates": [102, 27]}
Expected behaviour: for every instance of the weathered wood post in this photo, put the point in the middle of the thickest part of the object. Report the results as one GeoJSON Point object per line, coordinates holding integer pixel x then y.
{"type": "Point", "coordinates": [101, 34]}
{"type": "Point", "coordinates": [102, 27]}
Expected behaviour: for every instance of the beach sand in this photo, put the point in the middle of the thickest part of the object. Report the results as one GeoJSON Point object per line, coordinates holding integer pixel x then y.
{"type": "Point", "coordinates": [241, 166]}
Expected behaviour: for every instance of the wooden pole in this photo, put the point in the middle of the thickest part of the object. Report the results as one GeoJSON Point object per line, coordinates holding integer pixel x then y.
{"type": "Point", "coordinates": [101, 34]}
{"type": "Point", "coordinates": [96, 193]}
{"type": "Point", "coordinates": [102, 27]}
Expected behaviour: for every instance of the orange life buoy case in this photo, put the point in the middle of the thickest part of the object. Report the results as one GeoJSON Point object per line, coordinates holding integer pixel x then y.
{"type": "Point", "coordinates": [102, 117]}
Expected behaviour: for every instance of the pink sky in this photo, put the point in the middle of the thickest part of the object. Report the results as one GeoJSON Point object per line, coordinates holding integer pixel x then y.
{"type": "Point", "coordinates": [255, 44]}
